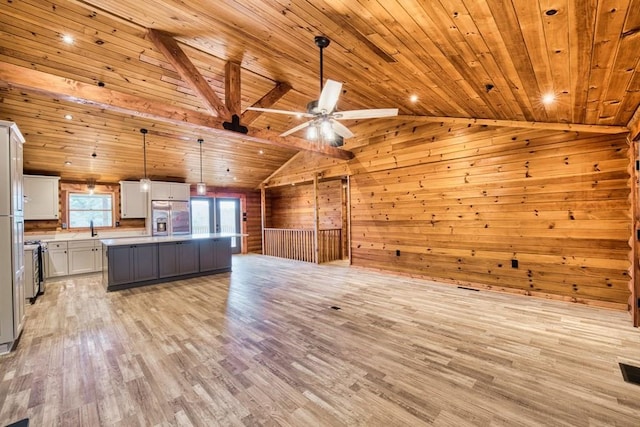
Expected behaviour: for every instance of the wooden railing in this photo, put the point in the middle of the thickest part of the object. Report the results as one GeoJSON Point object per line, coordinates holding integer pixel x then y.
{"type": "Point", "coordinates": [330, 245]}
{"type": "Point", "coordinates": [289, 243]}
{"type": "Point", "coordinates": [299, 244]}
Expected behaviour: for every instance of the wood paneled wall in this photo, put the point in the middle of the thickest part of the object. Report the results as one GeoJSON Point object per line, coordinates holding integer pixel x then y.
{"type": "Point", "coordinates": [254, 222]}
{"type": "Point", "coordinates": [461, 203]}
{"type": "Point", "coordinates": [292, 206]}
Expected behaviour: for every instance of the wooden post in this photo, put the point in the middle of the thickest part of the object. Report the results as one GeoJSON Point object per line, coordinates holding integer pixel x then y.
{"type": "Point", "coordinates": [263, 214]}
{"type": "Point", "coordinates": [348, 230]}
{"type": "Point", "coordinates": [634, 281]}
{"type": "Point", "coordinates": [232, 87]}
{"type": "Point", "coordinates": [316, 221]}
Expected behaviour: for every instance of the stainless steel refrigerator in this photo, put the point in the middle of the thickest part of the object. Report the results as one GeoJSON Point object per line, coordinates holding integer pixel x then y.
{"type": "Point", "coordinates": [170, 218]}
{"type": "Point", "coordinates": [12, 297]}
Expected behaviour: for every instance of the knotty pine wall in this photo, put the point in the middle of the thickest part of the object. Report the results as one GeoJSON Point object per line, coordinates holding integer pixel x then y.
{"type": "Point", "coordinates": [461, 202]}
{"type": "Point", "coordinates": [293, 206]}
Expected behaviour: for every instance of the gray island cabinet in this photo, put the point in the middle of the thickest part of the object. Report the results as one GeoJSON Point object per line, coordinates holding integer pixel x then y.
{"type": "Point", "coordinates": [132, 262]}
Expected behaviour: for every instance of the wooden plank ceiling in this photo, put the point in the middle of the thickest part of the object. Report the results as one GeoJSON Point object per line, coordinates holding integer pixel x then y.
{"type": "Point", "coordinates": [467, 59]}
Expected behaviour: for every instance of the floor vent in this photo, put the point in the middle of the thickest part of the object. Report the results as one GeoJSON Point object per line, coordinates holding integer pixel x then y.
{"type": "Point", "coordinates": [631, 374]}
{"type": "Point", "coordinates": [468, 289]}
{"type": "Point", "coordinates": [335, 307]}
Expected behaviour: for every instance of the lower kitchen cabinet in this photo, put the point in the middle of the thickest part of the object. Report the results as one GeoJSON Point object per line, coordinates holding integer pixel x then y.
{"type": "Point", "coordinates": [81, 257]}
{"type": "Point", "coordinates": [215, 254]}
{"type": "Point", "coordinates": [128, 265]}
{"type": "Point", "coordinates": [132, 263]}
{"type": "Point", "coordinates": [57, 261]}
{"type": "Point", "coordinates": [73, 257]}
{"type": "Point", "coordinates": [178, 258]}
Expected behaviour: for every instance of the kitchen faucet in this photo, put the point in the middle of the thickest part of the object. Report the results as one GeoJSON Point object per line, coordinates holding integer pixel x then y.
{"type": "Point", "coordinates": [93, 232]}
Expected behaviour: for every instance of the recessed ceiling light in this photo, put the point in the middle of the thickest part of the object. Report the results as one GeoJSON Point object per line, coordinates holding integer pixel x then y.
{"type": "Point", "coordinates": [413, 98]}
{"type": "Point", "coordinates": [548, 99]}
{"type": "Point", "coordinates": [68, 116]}
{"type": "Point", "coordinates": [235, 179]}
{"type": "Point", "coordinates": [67, 163]}
{"type": "Point", "coordinates": [67, 39]}
{"type": "Point", "coordinates": [261, 152]}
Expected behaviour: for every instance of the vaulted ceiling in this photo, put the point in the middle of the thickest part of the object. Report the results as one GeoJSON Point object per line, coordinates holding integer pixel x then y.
{"type": "Point", "coordinates": [481, 59]}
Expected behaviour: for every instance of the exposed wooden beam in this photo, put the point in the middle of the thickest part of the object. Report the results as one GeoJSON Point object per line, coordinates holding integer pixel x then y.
{"type": "Point", "coordinates": [634, 126]}
{"type": "Point", "coordinates": [232, 87]}
{"type": "Point", "coordinates": [101, 97]}
{"type": "Point", "coordinates": [166, 44]}
{"type": "Point", "coordinates": [266, 101]}
{"type": "Point", "coordinates": [518, 124]}
{"type": "Point", "coordinates": [288, 142]}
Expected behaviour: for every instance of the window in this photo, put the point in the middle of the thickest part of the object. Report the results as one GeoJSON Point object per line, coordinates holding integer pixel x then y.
{"type": "Point", "coordinates": [84, 208]}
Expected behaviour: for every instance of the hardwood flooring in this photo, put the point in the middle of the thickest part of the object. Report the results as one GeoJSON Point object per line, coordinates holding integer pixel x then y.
{"type": "Point", "coordinates": [262, 346]}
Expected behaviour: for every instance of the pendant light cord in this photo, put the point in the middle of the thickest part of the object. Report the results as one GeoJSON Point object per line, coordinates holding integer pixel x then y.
{"type": "Point", "coordinates": [144, 150]}
{"type": "Point", "coordinates": [200, 141]}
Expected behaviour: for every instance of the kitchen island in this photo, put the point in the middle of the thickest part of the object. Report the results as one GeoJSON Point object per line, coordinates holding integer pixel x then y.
{"type": "Point", "coordinates": [140, 261]}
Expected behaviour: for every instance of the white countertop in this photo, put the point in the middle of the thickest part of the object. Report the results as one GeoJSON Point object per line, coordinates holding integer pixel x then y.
{"type": "Point", "coordinates": [160, 239]}
{"type": "Point", "coordinates": [70, 236]}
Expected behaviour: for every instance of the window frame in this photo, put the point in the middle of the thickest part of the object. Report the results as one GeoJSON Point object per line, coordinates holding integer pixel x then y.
{"type": "Point", "coordinates": [71, 193]}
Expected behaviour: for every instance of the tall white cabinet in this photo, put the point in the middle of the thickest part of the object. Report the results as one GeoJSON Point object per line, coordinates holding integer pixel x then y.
{"type": "Point", "coordinates": [12, 270]}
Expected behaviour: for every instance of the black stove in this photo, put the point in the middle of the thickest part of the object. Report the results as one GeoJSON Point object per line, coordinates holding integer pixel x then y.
{"type": "Point", "coordinates": [42, 248]}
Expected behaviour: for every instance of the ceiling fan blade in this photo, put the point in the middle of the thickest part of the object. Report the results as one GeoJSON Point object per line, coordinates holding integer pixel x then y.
{"type": "Point", "coordinates": [329, 96]}
{"type": "Point", "coordinates": [296, 129]}
{"type": "Point", "coordinates": [271, 110]}
{"type": "Point", "coordinates": [366, 114]}
{"type": "Point", "coordinates": [341, 129]}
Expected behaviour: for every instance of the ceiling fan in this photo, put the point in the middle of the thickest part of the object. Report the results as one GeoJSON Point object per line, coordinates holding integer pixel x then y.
{"type": "Point", "coordinates": [323, 123]}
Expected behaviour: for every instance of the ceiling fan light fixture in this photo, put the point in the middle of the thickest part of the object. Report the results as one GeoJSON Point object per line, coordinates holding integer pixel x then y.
{"type": "Point", "coordinates": [145, 183]}
{"type": "Point", "coordinates": [201, 187]}
{"type": "Point", "coordinates": [327, 131]}
{"type": "Point", "coordinates": [312, 132]}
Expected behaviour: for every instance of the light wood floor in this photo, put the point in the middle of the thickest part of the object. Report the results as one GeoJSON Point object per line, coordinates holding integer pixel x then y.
{"type": "Point", "coordinates": [261, 346]}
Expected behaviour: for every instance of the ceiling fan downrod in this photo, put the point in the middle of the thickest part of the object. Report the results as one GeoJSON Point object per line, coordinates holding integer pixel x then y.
{"type": "Point", "coordinates": [322, 42]}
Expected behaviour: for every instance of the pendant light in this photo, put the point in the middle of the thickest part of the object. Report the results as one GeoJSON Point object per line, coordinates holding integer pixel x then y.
{"type": "Point", "coordinates": [201, 187]}
{"type": "Point", "coordinates": [145, 183]}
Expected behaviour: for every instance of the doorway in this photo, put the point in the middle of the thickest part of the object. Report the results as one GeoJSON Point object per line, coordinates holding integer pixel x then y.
{"type": "Point", "coordinates": [217, 215]}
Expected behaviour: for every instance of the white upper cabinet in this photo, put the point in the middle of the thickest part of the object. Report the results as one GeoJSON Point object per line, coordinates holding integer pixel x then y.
{"type": "Point", "coordinates": [133, 202]}
{"type": "Point", "coordinates": [41, 197]}
{"type": "Point", "coordinates": [170, 191]}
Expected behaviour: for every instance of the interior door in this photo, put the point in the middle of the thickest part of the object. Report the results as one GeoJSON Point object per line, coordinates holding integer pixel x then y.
{"type": "Point", "coordinates": [227, 220]}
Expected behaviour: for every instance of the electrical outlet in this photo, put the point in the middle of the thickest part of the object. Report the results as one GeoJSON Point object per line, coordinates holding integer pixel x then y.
{"type": "Point", "coordinates": [514, 263]}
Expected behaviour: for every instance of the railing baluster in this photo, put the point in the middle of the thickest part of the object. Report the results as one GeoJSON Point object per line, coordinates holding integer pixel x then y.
{"type": "Point", "coordinates": [298, 244]}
